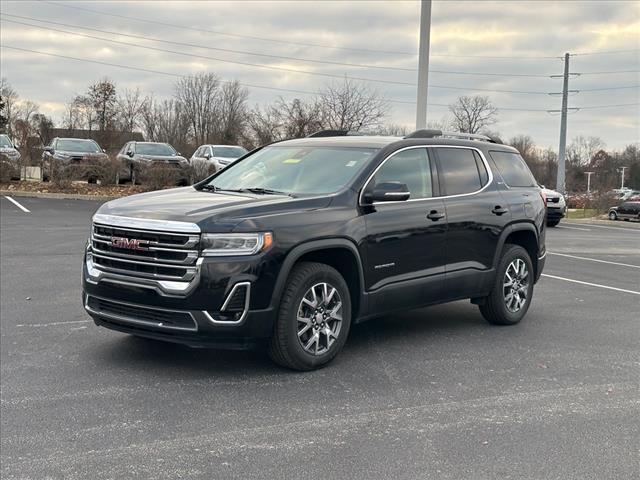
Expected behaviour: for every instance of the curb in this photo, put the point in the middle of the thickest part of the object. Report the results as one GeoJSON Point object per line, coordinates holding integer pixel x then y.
{"type": "Point", "coordinates": [60, 196]}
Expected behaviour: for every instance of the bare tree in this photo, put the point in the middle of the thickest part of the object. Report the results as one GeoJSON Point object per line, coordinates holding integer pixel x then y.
{"type": "Point", "coordinates": [473, 114]}
{"type": "Point", "coordinates": [198, 97]}
{"type": "Point", "coordinates": [104, 97]}
{"type": "Point", "coordinates": [297, 118]}
{"type": "Point", "coordinates": [263, 126]}
{"type": "Point", "coordinates": [130, 104]}
{"type": "Point", "coordinates": [231, 120]}
{"type": "Point", "coordinates": [582, 149]}
{"type": "Point", "coordinates": [165, 121]}
{"type": "Point", "coordinates": [348, 105]}
{"type": "Point", "coordinates": [10, 98]}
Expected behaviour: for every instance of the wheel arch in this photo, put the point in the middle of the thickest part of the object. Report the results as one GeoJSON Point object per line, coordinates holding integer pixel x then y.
{"type": "Point", "coordinates": [339, 253]}
{"type": "Point", "coordinates": [524, 234]}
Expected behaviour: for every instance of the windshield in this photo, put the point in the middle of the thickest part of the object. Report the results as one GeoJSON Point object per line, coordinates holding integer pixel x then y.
{"type": "Point", "coordinates": [5, 142]}
{"type": "Point", "coordinates": [295, 170]}
{"type": "Point", "coordinates": [160, 149]}
{"type": "Point", "coordinates": [77, 145]}
{"type": "Point", "coordinates": [228, 152]}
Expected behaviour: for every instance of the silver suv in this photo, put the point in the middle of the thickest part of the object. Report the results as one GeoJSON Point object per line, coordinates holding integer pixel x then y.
{"type": "Point", "coordinates": [217, 156]}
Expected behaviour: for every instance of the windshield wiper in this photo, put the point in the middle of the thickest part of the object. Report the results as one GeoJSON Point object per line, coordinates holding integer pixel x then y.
{"type": "Point", "coordinates": [265, 191]}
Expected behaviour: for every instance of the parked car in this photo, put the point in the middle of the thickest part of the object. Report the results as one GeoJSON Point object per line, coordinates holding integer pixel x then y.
{"type": "Point", "coordinates": [135, 156]}
{"type": "Point", "coordinates": [626, 211]}
{"type": "Point", "coordinates": [10, 157]}
{"type": "Point", "coordinates": [218, 156]}
{"type": "Point", "coordinates": [556, 206]}
{"type": "Point", "coordinates": [303, 238]}
{"type": "Point", "coordinates": [73, 155]}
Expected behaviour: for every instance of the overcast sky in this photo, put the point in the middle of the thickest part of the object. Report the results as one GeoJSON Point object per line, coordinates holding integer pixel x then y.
{"type": "Point", "coordinates": [530, 34]}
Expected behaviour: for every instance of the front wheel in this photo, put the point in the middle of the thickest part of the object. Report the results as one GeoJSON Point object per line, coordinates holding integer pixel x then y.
{"type": "Point", "coordinates": [613, 216]}
{"type": "Point", "coordinates": [552, 223]}
{"type": "Point", "coordinates": [511, 295]}
{"type": "Point", "coordinates": [313, 319]}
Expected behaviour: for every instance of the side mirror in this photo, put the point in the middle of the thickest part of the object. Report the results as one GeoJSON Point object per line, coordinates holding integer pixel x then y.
{"type": "Point", "coordinates": [388, 192]}
{"type": "Point", "coordinates": [48, 150]}
{"type": "Point", "coordinates": [130, 153]}
{"type": "Point", "coordinates": [104, 150]}
{"type": "Point", "coordinates": [207, 155]}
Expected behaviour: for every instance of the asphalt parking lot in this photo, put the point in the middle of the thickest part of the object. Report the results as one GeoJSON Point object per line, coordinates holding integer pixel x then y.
{"type": "Point", "coordinates": [432, 393]}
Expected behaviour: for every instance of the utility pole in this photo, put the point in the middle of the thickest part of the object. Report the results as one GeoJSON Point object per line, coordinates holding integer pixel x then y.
{"type": "Point", "coordinates": [588, 174]}
{"type": "Point", "coordinates": [560, 181]}
{"type": "Point", "coordinates": [622, 177]}
{"type": "Point", "coordinates": [423, 64]}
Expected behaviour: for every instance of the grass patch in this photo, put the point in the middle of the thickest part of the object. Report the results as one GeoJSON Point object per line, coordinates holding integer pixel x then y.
{"type": "Point", "coordinates": [582, 212]}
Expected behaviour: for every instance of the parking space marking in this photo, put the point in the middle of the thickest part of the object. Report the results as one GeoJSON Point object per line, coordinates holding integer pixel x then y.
{"type": "Point", "coordinates": [593, 259]}
{"type": "Point", "coordinates": [25, 210]}
{"type": "Point", "coordinates": [629, 229]}
{"type": "Point", "coordinates": [574, 228]}
{"type": "Point", "coordinates": [52, 324]}
{"type": "Point", "coordinates": [591, 284]}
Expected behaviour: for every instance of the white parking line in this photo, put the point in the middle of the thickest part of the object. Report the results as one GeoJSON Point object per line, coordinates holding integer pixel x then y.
{"type": "Point", "coordinates": [593, 259]}
{"type": "Point", "coordinates": [52, 324]}
{"type": "Point", "coordinates": [591, 284]}
{"type": "Point", "coordinates": [574, 228]}
{"type": "Point", "coordinates": [630, 229]}
{"type": "Point", "coordinates": [25, 210]}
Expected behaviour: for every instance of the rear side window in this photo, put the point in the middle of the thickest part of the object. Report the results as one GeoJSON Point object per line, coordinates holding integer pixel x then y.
{"type": "Point", "coordinates": [513, 169]}
{"type": "Point", "coordinates": [459, 171]}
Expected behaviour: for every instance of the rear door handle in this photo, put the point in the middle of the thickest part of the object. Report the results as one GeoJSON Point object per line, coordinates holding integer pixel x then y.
{"type": "Point", "coordinates": [498, 210]}
{"type": "Point", "coordinates": [435, 215]}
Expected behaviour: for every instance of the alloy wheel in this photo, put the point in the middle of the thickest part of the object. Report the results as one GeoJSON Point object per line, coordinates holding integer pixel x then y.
{"type": "Point", "coordinates": [319, 318]}
{"type": "Point", "coordinates": [516, 285]}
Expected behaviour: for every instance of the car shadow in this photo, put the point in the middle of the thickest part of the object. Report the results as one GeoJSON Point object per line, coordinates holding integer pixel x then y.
{"type": "Point", "coordinates": [422, 327]}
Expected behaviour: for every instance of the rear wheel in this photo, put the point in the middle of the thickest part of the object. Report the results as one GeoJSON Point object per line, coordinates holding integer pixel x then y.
{"type": "Point", "coordinates": [511, 295]}
{"type": "Point", "coordinates": [313, 319]}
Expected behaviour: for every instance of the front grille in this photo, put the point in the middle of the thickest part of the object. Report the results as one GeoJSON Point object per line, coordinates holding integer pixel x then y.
{"type": "Point", "coordinates": [145, 253]}
{"type": "Point", "coordinates": [141, 315]}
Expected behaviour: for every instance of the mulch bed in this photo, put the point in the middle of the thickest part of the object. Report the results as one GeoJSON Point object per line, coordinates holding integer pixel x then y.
{"type": "Point", "coordinates": [75, 188]}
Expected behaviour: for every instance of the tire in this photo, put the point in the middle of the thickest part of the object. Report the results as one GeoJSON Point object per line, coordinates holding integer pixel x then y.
{"type": "Point", "coordinates": [287, 344]}
{"type": "Point", "coordinates": [495, 308]}
{"type": "Point", "coordinates": [552, 223]}
{"type": "Point", "coordinates": [613, 216]}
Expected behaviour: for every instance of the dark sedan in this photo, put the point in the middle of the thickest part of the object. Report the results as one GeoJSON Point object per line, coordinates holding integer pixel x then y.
{"type": "Point", "coordinates": [626, 211]}
{"type": "Point", "coordinates": [72, 157]}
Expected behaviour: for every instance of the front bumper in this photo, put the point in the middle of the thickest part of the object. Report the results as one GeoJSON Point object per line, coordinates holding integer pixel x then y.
{"type": "Point", "coordinates": [555, 213]}
{"type": "Point", "coordinates": [197, 317]}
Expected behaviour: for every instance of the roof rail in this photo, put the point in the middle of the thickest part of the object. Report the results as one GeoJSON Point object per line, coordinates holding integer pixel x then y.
{"type": "Point", "coordinates": [329, 133]}
{"type": "Point", "coordinates": [460, 135]}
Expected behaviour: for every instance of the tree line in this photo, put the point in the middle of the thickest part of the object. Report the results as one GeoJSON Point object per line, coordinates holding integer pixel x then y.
{"type": "Point", "coordinates": [205, 109]}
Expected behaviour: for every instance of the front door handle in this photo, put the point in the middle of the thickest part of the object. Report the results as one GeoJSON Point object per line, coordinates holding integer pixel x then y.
{"type": "Point", "coordinates": [498, 210]}
{"type": "Point", "coordinates": [435, 215]}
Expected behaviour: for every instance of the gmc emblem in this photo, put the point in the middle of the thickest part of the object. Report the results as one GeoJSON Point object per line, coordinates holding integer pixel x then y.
{"type": "Point", "coordinates": [129, 243]}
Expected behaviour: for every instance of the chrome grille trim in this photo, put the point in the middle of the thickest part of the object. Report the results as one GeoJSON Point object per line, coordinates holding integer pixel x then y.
{"type": "Point", "coordinates": [146, 224]}
{"type": "Point", "coordinates": [167, 258]}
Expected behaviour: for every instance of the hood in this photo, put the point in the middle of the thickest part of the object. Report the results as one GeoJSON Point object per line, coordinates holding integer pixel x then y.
{"type": "Point", "coordinates": [212, 211]}
{"type": "Point", "coordinates": [160, 158]}
{"type": "Point", "coordinates": [80, 154]}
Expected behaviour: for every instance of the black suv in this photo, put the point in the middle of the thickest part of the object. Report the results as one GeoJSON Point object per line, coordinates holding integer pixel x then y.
{"type": "Point", "coordinates": [298, 240]}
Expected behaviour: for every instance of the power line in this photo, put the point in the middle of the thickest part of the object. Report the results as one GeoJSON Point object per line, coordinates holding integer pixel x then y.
{"type": "Point", "coordinates": [244, 52]}
{"type": "Point", "coordinates": [184, 44]}
{"type": "Point", "coordinates": [610, 52]}
{"type": "Point", "coordinates": [287, 42]}
{"type": "Point", "coordinates": [286, 69]}
{"type": "Point", "coordinates": [586, 90]}
{"type": "Point", "coordinates": [608, 73]}
{"type": "Point", "coordinates": [290, 90]}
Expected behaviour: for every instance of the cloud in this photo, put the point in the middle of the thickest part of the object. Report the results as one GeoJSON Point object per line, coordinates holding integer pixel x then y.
{"type": "Point", "coordinates": [518, 30]}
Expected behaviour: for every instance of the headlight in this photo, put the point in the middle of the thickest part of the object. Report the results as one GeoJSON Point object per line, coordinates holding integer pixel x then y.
{"type": "Point", "coordinates": [229, 244]}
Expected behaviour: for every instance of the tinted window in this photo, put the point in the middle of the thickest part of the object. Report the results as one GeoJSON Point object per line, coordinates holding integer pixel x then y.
{"type": "Point", "coordinates": [77, 145]}
{"type": "Point", "coordinates": [482, 170]}
{"type": "Point", "coordinates": [228, 152]}
{"type": "Point", "coordinates": [459, 170]}
{"type": "Point", "coordinates": [410, 167]}
{"type": "Point", "coordinates": [513, 169]}
{"type": "Point", "coordinates": [299, 170]}
{"type": "Point", "coordinates": [160, 149]}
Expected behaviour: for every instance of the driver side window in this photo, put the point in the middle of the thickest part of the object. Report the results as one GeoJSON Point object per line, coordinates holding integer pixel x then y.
{"type": "Point", "coordinates": [410, 167]}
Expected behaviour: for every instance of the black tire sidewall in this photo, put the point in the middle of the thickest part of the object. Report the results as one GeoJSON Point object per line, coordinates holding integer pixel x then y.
{"type": "Point", "coordinates": [512, 253]}
{"type": "Point", "coordinates": [289, 311]}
